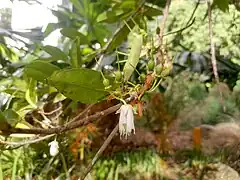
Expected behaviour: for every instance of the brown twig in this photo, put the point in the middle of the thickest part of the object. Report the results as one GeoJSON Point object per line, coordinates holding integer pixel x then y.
{"type": "Point", "coordinates": [82, 113]}
{"type": "Point", "coordinates": [51, 112]}
{"type": "Point", "coordinates": [66, 127]}
{"type": "Point", "coordinates": [100, 151]}
{"type": "Point", "coordinates": [165, 14]}
{"type": "Point", "coordinates": [161, 33]}
{"type": "Point", "coordinates": [22, 143]}
{"type": "Point", "coordinates": [213, 56]}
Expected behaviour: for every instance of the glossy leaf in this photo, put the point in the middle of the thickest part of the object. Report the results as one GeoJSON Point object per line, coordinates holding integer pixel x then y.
{"type": "Point", "coordinates": [75, 54]}
{"type": "Point", "coordinates": [31, 94]}
{"type": "Point", "coordinates": [40, 70]}
{"type": "Point", "coordinates": [56, 53]}
{"type": "Point", "coordinates": [84, 85]}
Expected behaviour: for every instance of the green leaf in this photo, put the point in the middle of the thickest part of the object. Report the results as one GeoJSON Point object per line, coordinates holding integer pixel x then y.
{"type": "Point", "coordinates": [75, 54]}
{"type": "Point", "coordinates": [84, 85]}
{"type": "Point", "coordinates": [110, 16]}
{"type": "Point", "coordinates": [222, 5]}
{"type": "Point", "coordinates": [50, 28]}
{"type": "Point", "coordinates": [4, 125]}
{"type": "Point", "coordinates": [120, 35]}
{"type": "Point", "coordinates": [118, 12]}
{"type": "Point", "coordinates": [19, 84]}
{"type": "Point", "coordinates": [78, 6]}
{"type": "Point", "coordinates": [11, 116]}
{"type": "Point", "coordinates": [56, 53]}
{"type": "Point", "coordinates": [31, 94]}
{"type": "Point", "coordinates": [15, 93]}
{"type": "Point", "coordinates": [73, 33]}
{"type": "Point", "coordinates": [15, 163]}
{"type": "Point", "coordinates": [40, 70]}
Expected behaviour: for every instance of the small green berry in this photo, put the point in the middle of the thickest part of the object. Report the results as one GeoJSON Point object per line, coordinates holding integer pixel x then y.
{"type": "Point", "coordinates": [158, 69]}
{"type": "Point", "coordinates": [151, 65]}
{"type": "Point", "coordinates": [106, 82]}
{"type": "Point", "coordinates": [118, 76]}
{"type": "Point", "coordinates": [142, 77]}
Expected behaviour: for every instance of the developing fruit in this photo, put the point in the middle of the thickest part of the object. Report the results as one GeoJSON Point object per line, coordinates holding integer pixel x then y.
{"type": "Point", "coordinates": [118, 76]}
{"type": "Point", "coordinates": [151, 65]}
{"type": "Point", "coordinates": [158, 69]}
{"type": "Point", "coordinates": [142, 77]}
{"type": "Point", "coordinates": [106, 82]}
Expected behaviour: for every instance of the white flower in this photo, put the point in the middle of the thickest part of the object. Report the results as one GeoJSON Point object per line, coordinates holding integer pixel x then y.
{"type": "Point", "coordinates": [126, 120]}
{"type": "Point", "coordinates": [54, 148]}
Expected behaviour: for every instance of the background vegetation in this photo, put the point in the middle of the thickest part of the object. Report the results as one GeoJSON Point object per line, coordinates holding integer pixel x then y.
{"type": "Point", "coordinates": [103, 56]}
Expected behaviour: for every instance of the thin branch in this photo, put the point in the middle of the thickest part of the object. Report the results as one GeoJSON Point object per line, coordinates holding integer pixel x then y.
{"type": "Point", "coordinates": [182, 29]}
{"type": "Point", "coordinates": [163, 22]}
{"type": "Point", "coordinates": [100, 151]}
{"type": "Point", "coordinates": [66, 127]}
{"type": "Point", "coordinates": [51, 112]}
{"type": "Point", "coordinates": [22, 143]}
{"type": "Point", "coordinates": [82, 113]}
{"type": "Point", "coordinates": [194, 11]}
{"type": "Point", "coordinates": [164, 19]}
{"type": "Point", "coordinates": [189, 23]}
{"type": "Point", "coordinates": [213, 56]}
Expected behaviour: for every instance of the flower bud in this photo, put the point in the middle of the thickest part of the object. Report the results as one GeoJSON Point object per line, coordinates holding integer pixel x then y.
{"type": "Point", "coordinates": [54, 148]}
{"type": "Point", "coordinates": [126, 120]}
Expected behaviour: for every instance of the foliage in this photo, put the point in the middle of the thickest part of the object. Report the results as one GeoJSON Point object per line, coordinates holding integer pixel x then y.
{"type": "Point", "coordinates": [141, 164]}
{"type": "Point", "coordinates": [195, 38]}
{"type": "Point", "coordinates": [46, 86]}
{"type": "Point", "coordinates": [187, 97]}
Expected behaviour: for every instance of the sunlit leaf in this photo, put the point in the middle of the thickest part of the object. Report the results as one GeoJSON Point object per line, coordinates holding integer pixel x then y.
{"type": "Point", "coordinates": [59, 97]}
{"type": "Point", "coordinates": [40, 70]}
{"type": "Point", "coordinates": [19, 84]}
{"type": "Point", "coordinates": [31, 94]}
{"type": "Point", "coordinates": [15, 93]}
{"type": "Point", "coordinates": [84, 85]}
